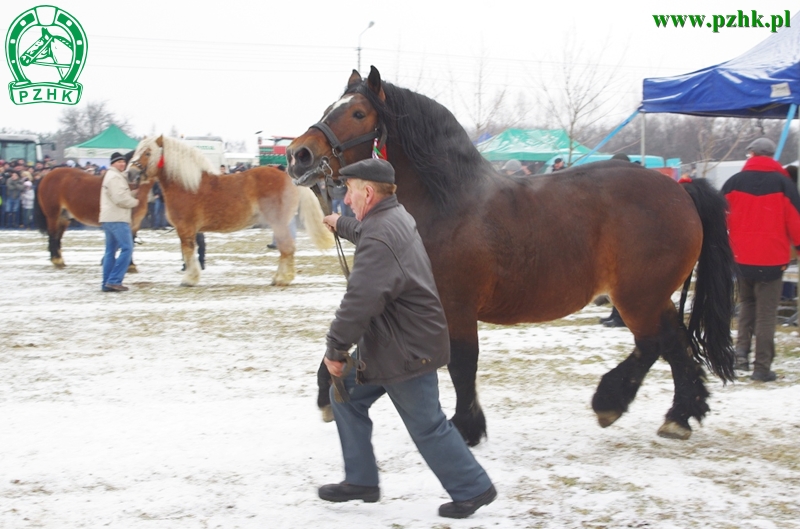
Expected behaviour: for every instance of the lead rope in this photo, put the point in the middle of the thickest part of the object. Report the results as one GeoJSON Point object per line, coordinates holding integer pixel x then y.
{"type": "Point", "coordinates": [339, 250]}
{"type": "Point", "coordinates": [341, 256]}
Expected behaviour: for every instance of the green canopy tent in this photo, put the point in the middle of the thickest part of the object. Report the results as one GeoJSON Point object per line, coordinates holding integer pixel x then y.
{"type": "Point", "coordinates": [99, 149]}
{"type": "Point", "coordinates": [535, 145]}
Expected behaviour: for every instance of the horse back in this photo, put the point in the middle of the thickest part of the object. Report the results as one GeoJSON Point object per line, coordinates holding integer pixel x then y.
{"type": "Point", "coordinates": [544, 246]}
{"type": "Point", "coordinates": [230, 202]}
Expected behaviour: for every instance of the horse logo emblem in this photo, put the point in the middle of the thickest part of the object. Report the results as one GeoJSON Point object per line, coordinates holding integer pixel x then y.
{"type": "Point", "coordinates": [48, 45]}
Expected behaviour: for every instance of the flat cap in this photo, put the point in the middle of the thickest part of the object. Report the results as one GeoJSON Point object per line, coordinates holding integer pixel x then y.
{"type": "Point", "coordinates": [762, 147]}
{"type": "Point", "coordinates": [372, 169]}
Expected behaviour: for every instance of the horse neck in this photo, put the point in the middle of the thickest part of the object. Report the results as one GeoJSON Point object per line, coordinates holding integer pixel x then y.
{"type": "Point", "coordinates": [411, 191]}
{"type": "Point", "coordinates": [172, 185]}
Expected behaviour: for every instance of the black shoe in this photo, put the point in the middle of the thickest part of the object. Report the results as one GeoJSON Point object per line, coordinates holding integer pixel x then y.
{"type": "Point", "coordinates": [115, 288]}
{"type": "Point", "coordinates": [615, 322]}
{"type": "Point", "coordinates": [763, 376]}
{"type": "Point", "coordinates": [604, 320]}
{"type": "Point", "coordinates": [741, 364]}
{"type": "Point", "coordinates": [338, 492]}
{"type": "Point", "coordinates": [463, 509]}
{"type": "Point", "coordinates": [272, 246]}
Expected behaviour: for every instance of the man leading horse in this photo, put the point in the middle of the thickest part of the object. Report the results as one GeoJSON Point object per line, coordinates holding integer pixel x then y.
{"type": "Point", "coordinates": [393, 312]}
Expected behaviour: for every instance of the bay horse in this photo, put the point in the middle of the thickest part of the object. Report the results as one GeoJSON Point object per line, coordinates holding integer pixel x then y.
{"type": "Point", "coordinates": [509, 250]}
{"type": "Point", "coordinates": [197, 199]}
{"type": "Point", "coordinates": [66, 193]}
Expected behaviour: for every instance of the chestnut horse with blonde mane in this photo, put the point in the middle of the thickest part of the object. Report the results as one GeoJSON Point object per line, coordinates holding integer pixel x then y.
{"type": "Point", "coordinates": [197, 199]}
{"type": "Point", "coordinates": [66, 193]}
{"type": "Point", "coordinates": [509, 250]}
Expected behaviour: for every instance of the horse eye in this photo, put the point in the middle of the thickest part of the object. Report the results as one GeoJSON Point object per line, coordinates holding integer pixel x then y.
{"type": "Point", "coordinates": [359, 115]}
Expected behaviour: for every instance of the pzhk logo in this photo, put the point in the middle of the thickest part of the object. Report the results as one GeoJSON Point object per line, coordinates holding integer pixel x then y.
{"type": "Point", "coordinates": [48, 45]}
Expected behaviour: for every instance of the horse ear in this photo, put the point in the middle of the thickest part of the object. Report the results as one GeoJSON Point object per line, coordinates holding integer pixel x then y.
{"type": "Point", "coordinates": [355, 78]}
{"type": "Point", "coordinates": [374, 83]}
{"type": "Point", "coordinates": [160, 141]}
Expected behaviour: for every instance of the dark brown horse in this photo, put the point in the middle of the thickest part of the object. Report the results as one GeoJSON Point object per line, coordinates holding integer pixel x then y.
{"type": "Point", "coordinates": [197, 199]}
{"type": "Point", "coordinates": [66, 193]}
{"type": "Point", "coordinates": [507, 250]}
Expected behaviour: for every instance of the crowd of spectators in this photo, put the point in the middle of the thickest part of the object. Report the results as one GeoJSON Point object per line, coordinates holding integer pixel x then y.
{"type": "Point", "coordinates": [19, 183]}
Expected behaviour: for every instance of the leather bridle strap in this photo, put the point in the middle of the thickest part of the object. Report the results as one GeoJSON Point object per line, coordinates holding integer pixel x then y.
{"type": "Point", "coordinates": [338, 148]}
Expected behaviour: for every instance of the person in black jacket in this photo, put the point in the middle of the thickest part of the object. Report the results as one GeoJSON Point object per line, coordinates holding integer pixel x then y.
{"type": "Point", "coordinates": [392, 310]}
{"type": "Point", "coordinates": [763, 222]}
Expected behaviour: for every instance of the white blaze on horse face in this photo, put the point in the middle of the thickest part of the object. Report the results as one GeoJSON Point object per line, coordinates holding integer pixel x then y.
{"type": "Point", "coordinates": [343, 101]}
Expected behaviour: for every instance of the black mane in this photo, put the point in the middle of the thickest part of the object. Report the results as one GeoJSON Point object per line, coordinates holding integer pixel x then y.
{"type": "Point", "coordinates": [432, 139]}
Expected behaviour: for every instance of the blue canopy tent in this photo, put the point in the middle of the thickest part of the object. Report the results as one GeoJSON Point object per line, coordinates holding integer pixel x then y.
{"type": "Point", "coordinates": [763, 82]}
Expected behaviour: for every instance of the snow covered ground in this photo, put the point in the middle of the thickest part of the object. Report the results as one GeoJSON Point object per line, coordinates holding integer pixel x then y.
{"type": "Point", "coordinates": [171, 407]}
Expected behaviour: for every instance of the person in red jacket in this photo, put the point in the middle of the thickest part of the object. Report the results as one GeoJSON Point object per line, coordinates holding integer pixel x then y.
{"type": "Point", "coordinates": [764, 220]}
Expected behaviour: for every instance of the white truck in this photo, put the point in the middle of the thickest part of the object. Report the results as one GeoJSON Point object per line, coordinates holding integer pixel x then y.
{"type": "Point", "coordinates": [211, 146]}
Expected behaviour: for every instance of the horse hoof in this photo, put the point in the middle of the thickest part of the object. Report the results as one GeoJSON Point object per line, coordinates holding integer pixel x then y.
{"type": "Point", "coordinates": [187, 284]}
{"type": "Point", "coordinates": [58, 263]}
{"type": "Point", "coordinates": [327, 413]}
{"type": "Point", "coordinates": [673, 430]}
{"type": "Point", "coordinates": [280, 283]}
{"type": "Point", "coordinates": [132, 269]}
{"type": "Point", "coordinates": [607, 418]}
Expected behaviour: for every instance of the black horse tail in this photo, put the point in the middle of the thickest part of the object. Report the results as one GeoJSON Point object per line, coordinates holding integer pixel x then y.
{"type": "Point", "coordinates": [38, 216]}
{"type": "Point", "coordinates": [713, 307]}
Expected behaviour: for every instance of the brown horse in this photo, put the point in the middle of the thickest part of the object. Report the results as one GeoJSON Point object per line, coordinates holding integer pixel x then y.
{"type": "Point", "coordinates": [197, 199]}
{"type": "Point", "coordinates": [507, 250]}
{"type": "Point", "coordinates": [66, 193]}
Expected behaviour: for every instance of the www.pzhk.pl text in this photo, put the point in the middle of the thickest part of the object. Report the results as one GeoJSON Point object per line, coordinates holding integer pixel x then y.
{"type": "Point", "coordinates": [741, 19]}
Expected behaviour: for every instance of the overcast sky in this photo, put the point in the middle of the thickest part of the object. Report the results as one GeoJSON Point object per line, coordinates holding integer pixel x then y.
{"type": "Point", "coordinates": [236, 67]}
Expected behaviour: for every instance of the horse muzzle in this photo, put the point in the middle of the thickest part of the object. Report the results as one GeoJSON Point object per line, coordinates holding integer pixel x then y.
{"type": "Point", "coordinates": [305, 168]}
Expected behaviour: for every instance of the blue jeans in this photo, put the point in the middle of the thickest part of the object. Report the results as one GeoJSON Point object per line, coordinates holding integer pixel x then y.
{"type": "Point", "coordinates": [118, 237]}
{"type": "Point", "coordinates": [438, 441]}
{"type": "Point", "coordinates": [11, 205]}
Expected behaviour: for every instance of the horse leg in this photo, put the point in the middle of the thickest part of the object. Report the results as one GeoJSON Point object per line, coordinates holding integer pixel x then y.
{"type": "Point", "coordinates": [324, 396]}
{"type": "Point", "coordinates": [285, 244]}
{"type": "Point", "coordinates": [690, 391]}
{"type": "Point", "coordinates": [192, 275]}
{"type": "Point", "coordinates": [463, 368]}
{"type": "Point", "coordinates": [618, 387]}
{"type": "Point", "coordinates": [55, 231]}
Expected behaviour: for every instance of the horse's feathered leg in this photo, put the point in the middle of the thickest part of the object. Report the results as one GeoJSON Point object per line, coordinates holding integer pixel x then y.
{"type": "Point", "coordinates": [618, 387]}
{"type": "Point", "coordinates": [690, 390]}
{"type": "Point", "coordinates": [463, 367]}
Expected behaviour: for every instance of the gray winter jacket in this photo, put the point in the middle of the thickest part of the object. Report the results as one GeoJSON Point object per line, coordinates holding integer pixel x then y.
{"type": "Point", "coordinates": [391, 308]}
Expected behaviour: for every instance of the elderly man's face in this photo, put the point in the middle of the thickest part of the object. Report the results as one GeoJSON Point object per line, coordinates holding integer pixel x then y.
{"type": "Point", "coordinates": [360, 197]}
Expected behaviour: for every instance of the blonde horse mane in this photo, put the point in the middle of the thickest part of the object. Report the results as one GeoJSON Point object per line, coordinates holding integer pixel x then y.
{"type": "Point", "coordinates": [183, 164]}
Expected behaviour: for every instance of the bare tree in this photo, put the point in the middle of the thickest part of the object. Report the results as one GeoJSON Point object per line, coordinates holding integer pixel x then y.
{"type": "Point", "coordinates": [81, 124]}
{"type": "Point", "coordinates": [576, 92]}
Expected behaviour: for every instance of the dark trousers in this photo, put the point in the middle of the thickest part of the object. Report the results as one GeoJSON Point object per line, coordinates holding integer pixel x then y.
{"type": "Point", "coordinates": [758, 314]}
{"type": "Point", "coordinates": [438, 441]}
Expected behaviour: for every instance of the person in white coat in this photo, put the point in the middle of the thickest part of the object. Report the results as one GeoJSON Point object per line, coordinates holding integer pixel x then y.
{"type": "Point", "coordinates": [116, 202]}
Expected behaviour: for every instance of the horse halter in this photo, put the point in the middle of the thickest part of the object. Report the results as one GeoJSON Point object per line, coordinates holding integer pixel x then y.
{"type": "Point", "coordinates": [338, 147]}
